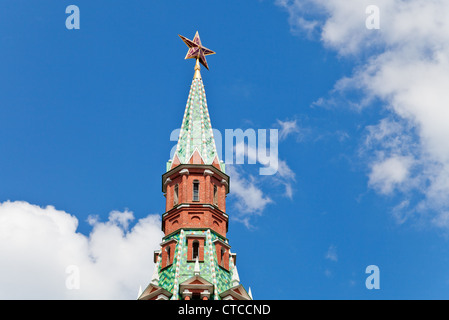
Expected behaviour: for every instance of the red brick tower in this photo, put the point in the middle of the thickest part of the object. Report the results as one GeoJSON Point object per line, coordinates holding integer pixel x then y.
{"type": "Point", "coordinates": [195, 260]}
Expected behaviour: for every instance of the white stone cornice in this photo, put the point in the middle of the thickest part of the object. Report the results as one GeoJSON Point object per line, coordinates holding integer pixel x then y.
{"type": "Point", "coordinates": [208, 172]}
{"type": "Point", "coordinates": [222, 243]}
{"type": "Point", "coordinates": [156, 255]}
{"type": "Point", "coordinates": [205, 293]}
{"type": "Point", "coordinates": [186, 293]}
{"type": "Point", "coordinates": [194, 235]}
{"type": "Point", "coordinates": [184, 171]}
{"type": "Point", "coordinates": [167, 241]}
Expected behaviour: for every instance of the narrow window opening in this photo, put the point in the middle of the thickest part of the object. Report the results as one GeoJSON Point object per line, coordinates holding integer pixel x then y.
{"type": "Point", "coordinates": [223, 251]}
{"type": "Point", "coordinates": [175, 197]}
{"type": "Point", "coordinates": [215, 195]}
{"type": "Point", "coordinates": [196, 190]}
{"type": "Point", "coordinates": [195, 249]}
{"type": "Point", "coordinates": [168, 255]}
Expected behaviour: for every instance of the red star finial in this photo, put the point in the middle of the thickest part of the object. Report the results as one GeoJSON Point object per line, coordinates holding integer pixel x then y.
{"type": "Point", "coordinates": [196, 50]}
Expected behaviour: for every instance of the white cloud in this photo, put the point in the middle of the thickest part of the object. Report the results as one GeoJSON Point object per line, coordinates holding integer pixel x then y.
{"type": "Point", "coordinates": [251, 199]}
{"type": "Point", "coordinates": [401, 211]}
{"type": "Point", "coordinates": [40, 248]}
{"type": "Point", "coordinates": [285, 171]}
{"type": "Point", "coordinates": [331, 253]}
{"type": "Point", "coordinates": [284, 175]}
{"type": "Point", "coordinates": [121, 219]}
{"type": "Point", "coordinates": [243, 150]}
{"type": "Point", "coordinates": [247, 188]}
{"type": "Point", "coordinates": [442, 220]}
{"type": "Point", "coordinates": [405, 66]}
{"type": "Point", "coordinates": [389, 173]}
{"type": "Point", "coordinates": [287, 127]}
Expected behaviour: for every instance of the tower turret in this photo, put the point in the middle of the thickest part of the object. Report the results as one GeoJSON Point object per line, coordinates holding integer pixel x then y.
{"type": "Point", "coordinates": [195, 259]}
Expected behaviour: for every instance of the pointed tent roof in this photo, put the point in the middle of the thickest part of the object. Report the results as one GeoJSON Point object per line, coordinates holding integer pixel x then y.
{"type": "Point", "coordinates": [196, 144]}
{"type": "Point", "coordinates": [237, 293]}
{"type": "Point", "coordinates": [235, 281]}
{"type": "Point", "coordinates": [154, 292]}
{"type": "Point", "coordinates": [250, 293]}
{"type": "Point", "coordinates": [196, 282]}
{"type": "Point", "coordinates": [140, 292]}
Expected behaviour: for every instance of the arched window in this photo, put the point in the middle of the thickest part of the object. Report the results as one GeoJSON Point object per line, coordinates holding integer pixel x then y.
{"type": "Point", "coordinates": [196, 190]}
{"type": "Point", "coordinates": [195, 249]}
{"type": "Point", "coordinates": [175, 195]}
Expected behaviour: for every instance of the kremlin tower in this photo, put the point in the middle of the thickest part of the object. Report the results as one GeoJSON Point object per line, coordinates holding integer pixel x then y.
{"type": "Point", "coordinates": [195, 259]}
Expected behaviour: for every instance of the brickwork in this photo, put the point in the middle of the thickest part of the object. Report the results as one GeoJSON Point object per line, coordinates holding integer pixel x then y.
{"type": "Point", "coordinates": [194, 217]}
{"type": "Point", "coordinates": [168, 253]}
{"type": "Point", "coordinates": [182, 267]}
{"type": "Point", "coordinates": [185, 188]}
{"type": "Point", "coordinates": [190, 248]}
{"type": "Point", "coordinates": [182, 209]}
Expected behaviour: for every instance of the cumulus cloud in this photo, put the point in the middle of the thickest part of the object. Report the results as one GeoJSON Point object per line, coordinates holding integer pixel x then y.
{"type": "Point", "coordinates": [250, 190]}
{"type": "Point", "coordinates": [251, 199]}
{"type": "Point", "coordinates": [283, 175]}
{"type": "Point", "coordinates": [404, 65]}
{"type": "Point", "coordinates": [44, 257]}
{"type": "Point", "coordinates": [389, 173]}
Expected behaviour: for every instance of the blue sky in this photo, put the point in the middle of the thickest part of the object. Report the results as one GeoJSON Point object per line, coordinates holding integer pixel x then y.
{"type": "Point", "coordinates": [86, 117]}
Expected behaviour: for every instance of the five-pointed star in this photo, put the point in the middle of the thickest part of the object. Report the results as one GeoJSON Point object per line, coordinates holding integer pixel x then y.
{"type": "Point", "coordinates": [196, 50]}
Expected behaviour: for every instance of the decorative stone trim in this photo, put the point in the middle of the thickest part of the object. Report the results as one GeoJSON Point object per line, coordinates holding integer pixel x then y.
{"type": "Point", "coordinates": [167, 241]}
{"type": "Point", "coordinates": [178, 261]}
{"type": "Point", "coordinates": [205, 294]}
{"type": "Point", "coordinates": [186, 293]}
{"type": "Point", "coordinates": [224, 244]}
{"type": "Point", "coordinates": [208, 172]}
{"type": "Point", "coordinates": [156, 255]}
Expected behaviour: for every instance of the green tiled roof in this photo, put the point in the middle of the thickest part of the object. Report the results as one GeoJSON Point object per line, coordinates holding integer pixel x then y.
{"type": "Point", "coordinates": [171, 277]}
{"type": "Point", "coordinates": [196, 129]}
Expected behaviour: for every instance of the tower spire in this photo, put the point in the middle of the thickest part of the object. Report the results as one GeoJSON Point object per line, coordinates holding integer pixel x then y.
{"type": "Point", "coordinates": [195, 259]}
{"type": "Point", "coordinates": [197, 74]}
{"type": "Point", "coordinates": [196, 144]}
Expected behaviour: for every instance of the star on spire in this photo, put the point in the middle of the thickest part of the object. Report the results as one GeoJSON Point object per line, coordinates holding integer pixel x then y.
{"type": "Point", "coordinates": [196, 49]}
